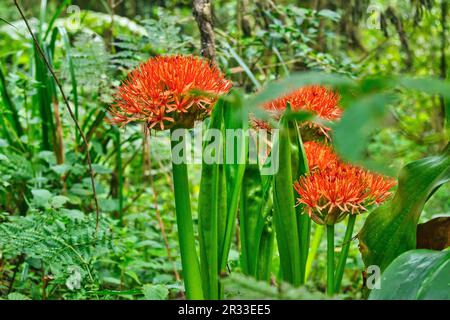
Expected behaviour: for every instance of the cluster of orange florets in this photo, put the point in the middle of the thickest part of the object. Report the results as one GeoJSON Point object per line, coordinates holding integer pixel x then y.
{"type": "Point", "coordinates": [334, 189]}
{"type": "Point", "coordinates": [318, 100]}
{"type": "Point", "coordinates": [169, 91]}
{"type": "Point", "coordinates": [175, 91]}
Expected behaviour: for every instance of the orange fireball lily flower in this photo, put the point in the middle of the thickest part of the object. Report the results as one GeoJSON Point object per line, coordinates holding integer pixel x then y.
{"type": "Point", "coordinates": [319, 155]}
{"type": "Point", "coordinates": [378, 187]}
{"type": "Point", "coordinates": [334, 189]}
{"type": "Point", "coordinates": [316, 99]}
{"type": "Point", "coordinates": [169, 91]}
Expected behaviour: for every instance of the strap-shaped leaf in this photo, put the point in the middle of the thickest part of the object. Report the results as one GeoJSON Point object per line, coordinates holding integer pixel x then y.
{"type": "Point", "coordinates": [235, 121]}
{"type": "Point", "coordinates": [256, 223]}
{"type": "Point", "coordinates": [285, 217]}
{"type": "Point", "coordinates": [220, 188]}
{"type": "Point", "coordinates": [251, 218]}
{"type": "Point", "coordinates": [211, 198]}
{"type": "Point", "coordinates": [416, 275]}
{"type": "Point", "coordinates": [390, 229]}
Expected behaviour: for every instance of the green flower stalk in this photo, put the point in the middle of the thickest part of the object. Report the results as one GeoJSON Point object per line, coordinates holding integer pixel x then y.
{"type": "Point", "coordinates": [334, 190]}
{"type": "Point", "coordinates": [189, 260]}
{"type": "Point", "coordinates": [290, 224]}
{"type": "Point", "coordinates": [172, 92]}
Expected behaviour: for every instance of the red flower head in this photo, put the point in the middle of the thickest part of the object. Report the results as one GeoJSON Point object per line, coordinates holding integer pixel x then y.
{"type": "Point", "coordinates": [335, 189]}
{"type": "Point", "coordinates": [316, 99]}
{"type": "Point", "coordinates": [169, 91]}
{"type": "Point", "coordinates": [378, 187]}
{"type": "Point", "coordinates": [319, 155]}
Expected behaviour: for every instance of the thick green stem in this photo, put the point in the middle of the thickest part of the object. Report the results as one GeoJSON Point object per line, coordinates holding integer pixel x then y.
{"type": "Point", "coordinates": [265, 253]}
{"type": "Point", "coordinates": [344, 252]}
{"type": "Point", "coordinates": [119, 174]}
{"type": "Point", "coordinates": [304, 234]}
{"type": "Point", "coordinates": [189, 260]}
{"type": "Point", "coordinates": [330, 259]}
{"type": "Point", "coordinates": [315, 243]}
{"type": "Point", "coordinates": [300, 167]}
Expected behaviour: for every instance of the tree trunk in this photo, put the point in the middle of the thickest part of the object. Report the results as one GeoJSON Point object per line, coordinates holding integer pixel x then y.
{"type": "Point", "coordinates": [203, 16]}
{"type": "Point", "coordinates": [443, 65]}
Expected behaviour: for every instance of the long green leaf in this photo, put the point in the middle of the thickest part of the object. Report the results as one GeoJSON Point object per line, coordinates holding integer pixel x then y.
{"type": "Point", "coordinates": [44, 98]}
{"type": "Point", "coordinates": [265, 250]}
{"type": "Point", "coordinates": [57, 13]}
{"type": "Point", "coordinates": [390, 229]}
{"type": "Point", "coordinates": [251, 221]}
{"type": "Point", "coordinates": [352, 133]}
{"type": "Point", "coordinates": [285, 219]}
{"type": "Point", "coordinates": [235, 119]}
{"type": "Point", "coordinates": [209, 205]}
{"type": "Point", "coordinates": [243, 65]}
{"type": "Point", "coordinates": [73, 78]}
{"type": "Point", "coordinates": [12, 115]}
{"type": "Point", "coordinates": [416, 275]}
{"type": "Point", "coordinates": [299, 163]}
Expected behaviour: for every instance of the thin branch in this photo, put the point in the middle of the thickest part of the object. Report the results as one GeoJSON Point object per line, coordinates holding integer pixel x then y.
{"type": "Point", "coordinates": [11, 25]}
{"type": "Point", "coordinates": [373, 51]}
{"type": "Point", "coordinates": [398, 24]}
{"type": "Point", "coordinates": [72, 115]}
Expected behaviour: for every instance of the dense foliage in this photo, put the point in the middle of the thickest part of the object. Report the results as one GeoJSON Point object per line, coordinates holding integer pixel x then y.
{"type": "Point", "coordinates": [55, 245]}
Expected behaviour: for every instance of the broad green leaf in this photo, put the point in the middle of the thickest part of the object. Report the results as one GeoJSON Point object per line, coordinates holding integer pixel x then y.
{"type": "Point", "coordinates": [3, 143]}
{"type": "Point", "coordinates": [47, 156]}
{"type": "Point", "coordinates": [58, 201]}
{"type": "Point", "coordinates": [61, 168]}
{"type": "Point", "coordinates": [352, 133]}
{"type": "Point", "coordinates": [427, 85]}
{"type": "Point", "coordinates": [17, 296]}
{"type": "Point", "coordinates": [100, 169]}
{"type": "Point", "coordinates": [390, 229]}
{"type": "Point", "coordinates": [416, 275]}
{"type": "Point", "coordinates": [155, 292]}
{"type": "Point", "coordinates": [41, 197]}
{"type": "Point", "coordinates": [73, 214]}
{"type": "Point", "coordinates": [295, 81]}
{"type": "Point", "coordinates": [332, 15]}
{"type": "Point", "coordinates": [244, 287]}
{"type": "Point", "coordinates": [108, 205]}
